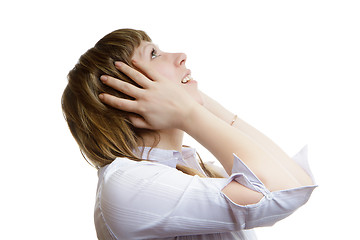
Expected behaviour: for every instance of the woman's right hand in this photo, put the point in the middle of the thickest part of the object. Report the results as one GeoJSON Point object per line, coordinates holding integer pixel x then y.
{"type": "Point", "coordinates": [159, 104]}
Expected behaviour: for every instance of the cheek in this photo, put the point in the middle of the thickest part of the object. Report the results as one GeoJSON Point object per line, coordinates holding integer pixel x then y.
{"type": "Point", "coordinates": [171, 76]}
{"type": "Point", "coordinates": [167, 71]}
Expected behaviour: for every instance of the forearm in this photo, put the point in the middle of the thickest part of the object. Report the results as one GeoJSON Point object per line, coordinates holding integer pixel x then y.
{"type": "Point", "coordinates": [217, 109]}
{"type": "Point", "coordinates": [221, 112]}
{"type": "Point", "coordinates": [275, 151]}
{"type": "Point", "coordinates": [222, 140]}
{"type": "Point", "coordinates": [266, 143]}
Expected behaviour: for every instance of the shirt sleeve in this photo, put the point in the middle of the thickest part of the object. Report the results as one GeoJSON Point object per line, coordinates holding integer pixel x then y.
{"type": "Point", "coordinates": [274, 206]}
{"type": "Point", "coordinates": [150, 200]}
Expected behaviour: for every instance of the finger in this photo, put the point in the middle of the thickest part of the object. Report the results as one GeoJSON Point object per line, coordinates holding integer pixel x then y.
{"type": "Point", "coordinates": [135, 75]}
{"type": "Point", "coordinates": [139, 122]}
{"type": "Point", "coordinates": [122, 86]}
{"type": "Point", "coordinates": [147, 70]}
{"type": "Point", "coordinates": [119, 103]}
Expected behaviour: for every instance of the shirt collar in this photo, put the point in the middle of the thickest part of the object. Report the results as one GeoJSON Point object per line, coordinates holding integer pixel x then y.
{"type": "Point", "coordinates": [167, 157]}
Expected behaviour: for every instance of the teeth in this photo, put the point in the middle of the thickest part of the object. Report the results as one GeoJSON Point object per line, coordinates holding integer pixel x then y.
{"type": "Point", "coordinates": [186, 79]}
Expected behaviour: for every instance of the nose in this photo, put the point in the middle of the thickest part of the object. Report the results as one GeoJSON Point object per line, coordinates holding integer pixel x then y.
{"type": "Point", "coordinates": [180, 59]}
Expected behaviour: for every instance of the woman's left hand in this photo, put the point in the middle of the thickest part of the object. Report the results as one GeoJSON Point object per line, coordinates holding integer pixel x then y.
{"type": "Point", "coordinates": [161, 103]}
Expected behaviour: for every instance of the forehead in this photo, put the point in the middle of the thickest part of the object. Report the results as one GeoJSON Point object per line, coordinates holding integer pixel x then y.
{"type": "Point", "coordinates": [140, 51]}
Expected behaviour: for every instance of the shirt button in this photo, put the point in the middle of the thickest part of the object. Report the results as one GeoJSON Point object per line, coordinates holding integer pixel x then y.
{"type": "Point", "coordinates": [269, 196]}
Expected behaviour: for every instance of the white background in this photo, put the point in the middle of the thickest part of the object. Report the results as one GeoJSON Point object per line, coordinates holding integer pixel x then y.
{"type": "Point", "coordinates": [290, 68]}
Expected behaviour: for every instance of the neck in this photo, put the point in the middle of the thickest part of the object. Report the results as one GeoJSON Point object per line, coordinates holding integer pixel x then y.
{"type": "Point", "coordinates": [170, 139]}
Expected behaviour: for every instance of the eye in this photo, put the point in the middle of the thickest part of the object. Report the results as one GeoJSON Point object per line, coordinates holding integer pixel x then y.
{"type": "Point", "coordinates": [154, 54]}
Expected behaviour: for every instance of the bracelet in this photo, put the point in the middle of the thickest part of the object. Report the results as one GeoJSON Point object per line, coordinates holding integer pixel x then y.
{"type": "Point", "coordinates": [234, 119]}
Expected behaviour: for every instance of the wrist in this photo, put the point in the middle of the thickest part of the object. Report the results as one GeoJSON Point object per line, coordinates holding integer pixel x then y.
{"type": "Point", "coordinates": [206, 100]}
{"type": "Point", "coordinates": [218, 110]}
{"type": "Point", "coordinates": [192, 118]}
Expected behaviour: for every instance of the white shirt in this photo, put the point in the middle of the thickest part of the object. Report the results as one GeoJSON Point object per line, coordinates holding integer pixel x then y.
{"type": "Point", "coordinates": [153, 200]}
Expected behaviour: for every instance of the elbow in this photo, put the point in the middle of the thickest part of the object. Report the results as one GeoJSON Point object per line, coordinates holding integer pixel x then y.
{"type": "Point", "coordinates": [277, 206]}
{"type": "Point", "coordinates": [257, 209]}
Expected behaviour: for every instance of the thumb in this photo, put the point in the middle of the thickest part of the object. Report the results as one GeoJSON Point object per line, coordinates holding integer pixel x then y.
{"type": "Point", "coordinates": [139, 122]}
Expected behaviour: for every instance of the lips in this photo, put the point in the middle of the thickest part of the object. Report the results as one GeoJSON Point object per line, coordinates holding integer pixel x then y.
{"type": "Point", "coordinates": [186, 78]}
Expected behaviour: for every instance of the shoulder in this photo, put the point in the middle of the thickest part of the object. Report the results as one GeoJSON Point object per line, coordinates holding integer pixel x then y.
{"type": "Point", "coordinates": [125, 178]}
{"type": "Point", "coordinates": [126, 168]}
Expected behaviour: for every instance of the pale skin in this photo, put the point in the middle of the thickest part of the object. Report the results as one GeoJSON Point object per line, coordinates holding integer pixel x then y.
{"type": "Point", "coordinates": [171, 107]}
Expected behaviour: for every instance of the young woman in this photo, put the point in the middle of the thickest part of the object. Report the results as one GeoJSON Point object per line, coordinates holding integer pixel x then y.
{"type": "Point", "coordinates": [128, 104]}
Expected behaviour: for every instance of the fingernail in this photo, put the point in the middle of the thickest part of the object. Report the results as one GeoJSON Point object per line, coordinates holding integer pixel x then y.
{"type": "Point", "coordinates": [118, 64]}
{"type": "Point", "coordinates": [101, 96]}
{"type": "Point", "coordinates": [103, 78]}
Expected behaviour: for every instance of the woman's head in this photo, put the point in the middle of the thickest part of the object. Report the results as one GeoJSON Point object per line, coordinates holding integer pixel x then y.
{"type": "Point", "coordinates": [102, 132]}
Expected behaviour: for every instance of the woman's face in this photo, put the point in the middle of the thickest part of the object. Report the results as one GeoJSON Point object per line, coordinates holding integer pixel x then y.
{"type": "Point", "coordinates": [170, 65]}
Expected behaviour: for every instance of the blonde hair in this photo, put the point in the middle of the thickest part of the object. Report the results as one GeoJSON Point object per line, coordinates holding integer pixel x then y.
{"type": "Point", "coordinates": [104, 133]}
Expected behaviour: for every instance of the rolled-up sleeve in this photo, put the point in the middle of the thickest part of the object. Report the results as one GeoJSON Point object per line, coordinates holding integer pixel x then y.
{"type": "Point", "coordinates": [149, 200]}
{"type": "Point", "coordinates": [274, 206]}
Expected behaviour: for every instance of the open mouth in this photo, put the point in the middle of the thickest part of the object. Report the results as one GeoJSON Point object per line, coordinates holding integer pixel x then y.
{"type": "Point", "coordinates": [186, 79]}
